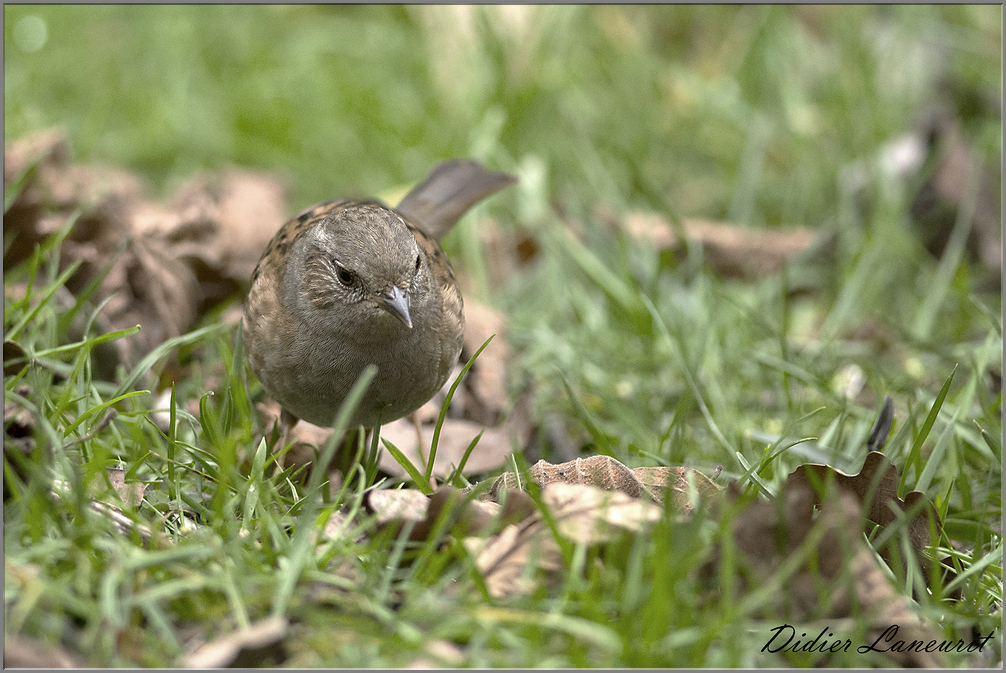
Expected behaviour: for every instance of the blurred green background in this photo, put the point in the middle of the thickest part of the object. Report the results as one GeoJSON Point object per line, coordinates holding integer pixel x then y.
{"type": "Point", "coordinates": [743, 113]}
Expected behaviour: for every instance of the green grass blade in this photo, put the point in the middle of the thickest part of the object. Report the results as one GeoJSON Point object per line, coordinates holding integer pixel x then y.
{"type": "Point", "coordinates": [422, 482]}
{"type": "Point", "coordinates": [161, 351]}
{"type": "Point", "coordinates": [447, 403]}
{"type": "Point", "coordinates": [936, 457]}
{"type": "Point", "coordinates": [300, 546]}
{"type": "Point", "coordinates": [927, 426]}
{"type": "Point", "coordinates": [456, 474]}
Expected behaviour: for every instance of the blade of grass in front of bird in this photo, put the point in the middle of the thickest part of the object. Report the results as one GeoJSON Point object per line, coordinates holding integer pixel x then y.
{"type": "Point", "coordinates": [373, 463]}
{"type": "Point", "coordinates": [422, 482]}
{"type": "Point", "coordinates": [447, 403]}
{"type": "Point", "coordinates": [464, 459]}
{"type": "Point", "coordinates": [253, 485]}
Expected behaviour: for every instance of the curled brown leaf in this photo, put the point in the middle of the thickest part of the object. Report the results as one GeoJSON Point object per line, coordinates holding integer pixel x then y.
{"type": "Point", "coordinates": [876, 487]}
{"type": "Point", "coordinates": [836, 575]}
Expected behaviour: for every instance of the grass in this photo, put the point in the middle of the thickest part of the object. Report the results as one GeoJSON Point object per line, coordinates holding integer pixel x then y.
{"type": "Point", "coordinates": [743, 114]}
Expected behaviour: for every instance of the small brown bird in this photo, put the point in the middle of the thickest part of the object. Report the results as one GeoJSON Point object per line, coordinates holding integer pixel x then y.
{"type": "Point", "coordinates": [348, 283]}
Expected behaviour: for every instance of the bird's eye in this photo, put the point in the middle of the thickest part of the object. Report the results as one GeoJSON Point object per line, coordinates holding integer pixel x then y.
{"type": "Point", "coordinates": [345, 275]}
{"type": "Point", "coordinates": [417, 262]}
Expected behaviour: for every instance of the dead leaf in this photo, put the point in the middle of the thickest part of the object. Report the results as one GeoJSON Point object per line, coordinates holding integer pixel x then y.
{"type": "Point", "coordinates": [525, 554]}
{"type": "Point", "coordinates": [397, 505]}
{"type": "Point", "coordinates": [511, 562]}
{"type": "Point", "coordinates": [260, 645]}
{"type": "Point", "coordinates": [584, 512]}
{"type": "Point", "coordinates": [686, 485]}
{"type": "Point", "coordinates": [838, 577]}
{"type": "Point", "coordinates": [53, 189]}
{"type": "Point", "coordinates": [470, 517]}
{"type": "Point", "coordinates": [252, 206]}
{"type": "Point", "coordinates": [589, 515]}
{"type": "Point", "coordinates": [176, 259]}
{"type": "Point", "coordinates": [876, 486]}
{"type": "Point", "coordinates": [731, 250]}
{"type": "Point", "coordinates": [336, 527]}
{"type": "Point", "coordinates": [604, 472]}
{"type": "Point", "coordinates": [152, 289]}
{"type": "Point", "coordinates": [448, 507]}
{"type": "Point", "coordinates": [47, 145]}
{"type": "Point", "coordinates": [130, 494]}
{"type": "Point", "coordinates": [455, 436]}
{"type": "Point", "coordinates": [485, 383]}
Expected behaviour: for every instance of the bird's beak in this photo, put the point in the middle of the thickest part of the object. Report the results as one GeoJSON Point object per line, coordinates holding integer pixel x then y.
{"type": "Point", "coordinates": [396, 302]}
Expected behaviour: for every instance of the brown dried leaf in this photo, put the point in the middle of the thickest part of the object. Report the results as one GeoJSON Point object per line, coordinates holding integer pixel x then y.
{"type": "Point", "coordinates": [130, 494]}
{"type": "Point", "coordinates": [473, 517]}
{"type": "Point", "coordinates": [181, 257]}
{"type": "Point", "coordinates": [838, 577]}
{"type": "Point", "coordinates": [398, 505]}
{"type": "Point", "coordinates": [876, 487]}
{"type": "Point", "coordinates": [153, 289]}
{"type": "Point", "coordinates": [685, 484]}
{"type": "Point", "coordinates": [455, 436]}
{"type": "Point", "coordinates": [511, 561]}
{"type": "Point", "coordinates": [48, 145]}
{"type": "Point", "coordinates": [252, 206]}
{"type": "Point", "coordinates": [55, 188]}
{"type": "Point", "coordinates": [449, 507]}
{"type": "Point", "coordinates": [731, 250]}
{"type": "Point", "coordinates": [482, 395]}
{"type": "Point", "coordinates": [490, 453]}
{"type": "Point", "coordinates": [589, 515]}
{"type": "Point", "coordinates": [485, 383]}
{"type": "Point", "coordinates": [601, 471]}
{"type": "Point", "coordinates": [336, 527]}
{"type": "Point", "coordinates": [609, 474]}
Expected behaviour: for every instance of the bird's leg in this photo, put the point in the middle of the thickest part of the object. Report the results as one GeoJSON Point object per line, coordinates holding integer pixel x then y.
{"type": "Point", "coordinates": [286, 423]}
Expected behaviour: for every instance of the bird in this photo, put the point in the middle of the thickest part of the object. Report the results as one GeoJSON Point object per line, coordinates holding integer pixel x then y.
{"type": "Point", "coordinates": [348, 283]}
